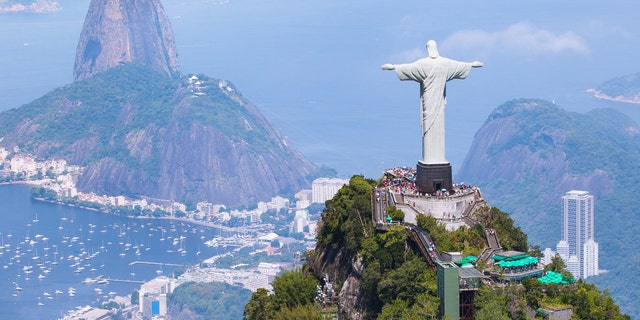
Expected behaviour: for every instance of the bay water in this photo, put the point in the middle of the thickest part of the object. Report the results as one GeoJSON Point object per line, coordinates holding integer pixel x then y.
{"type": "Point", "coordinates": [48, 251]}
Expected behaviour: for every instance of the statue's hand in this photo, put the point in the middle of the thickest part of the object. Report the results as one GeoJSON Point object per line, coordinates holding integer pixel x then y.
{"type": "Point", "coordinates": [477, 64]}
{"type": "Point", "coordinates": [387, 66]}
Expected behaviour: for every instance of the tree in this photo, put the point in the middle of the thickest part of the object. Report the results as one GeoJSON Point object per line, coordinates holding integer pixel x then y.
{"type": "Point", "coordinates": [135, 297]}
{"type": "Point", "coordinates": [395, 213]}
{"type": "Point", "coordinates": [293, 288]}
{"type": "Point", "coordinates": [490, 305]}
{"type": "Point", "coordinates": [210, 300]}
{"type": "Point", "coordinates": [394, 310]}
{"type": "Point", "coordinates": [406, 282]}
{"type": "Point", "coordinates": [426, 306]}
{"type": "Point", "coordinates": [259, 306]}
{"type": "Point", "coordinates": [307, 312]}
{"type": "Point", "coordinates": [534, 251]}
{"type": "Point", "coordinates": [556, 265]}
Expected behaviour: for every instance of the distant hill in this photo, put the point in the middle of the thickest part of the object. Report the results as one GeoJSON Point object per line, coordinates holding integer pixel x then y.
{"type": "Point", "coordinates": [623, 89]}
{"type": "Point", "coordinates": [143, 129]}
{"type": "Point", "coordinates": [141, 133]}
{"type": "Point", "coordinates": [530, 152]}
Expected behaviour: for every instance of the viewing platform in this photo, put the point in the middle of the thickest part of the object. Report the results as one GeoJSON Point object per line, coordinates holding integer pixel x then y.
{"type": "Point", "coordinates": [451, 207]}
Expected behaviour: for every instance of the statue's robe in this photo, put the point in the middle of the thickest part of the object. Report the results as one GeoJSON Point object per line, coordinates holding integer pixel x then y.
{"type": "Point", "coordinates": [433, 74]}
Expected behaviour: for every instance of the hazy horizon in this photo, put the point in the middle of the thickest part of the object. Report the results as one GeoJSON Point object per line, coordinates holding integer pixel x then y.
{"type": "Point", "coordinates": [313, 68]}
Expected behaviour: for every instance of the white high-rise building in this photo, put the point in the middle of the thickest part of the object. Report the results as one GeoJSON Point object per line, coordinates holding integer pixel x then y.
{"type": "Point", "coordinates": [590, 259]}
{"type": "Point", "coordinates": [578, 248]}
{"type": "Point", "coordinates": [324, 189]}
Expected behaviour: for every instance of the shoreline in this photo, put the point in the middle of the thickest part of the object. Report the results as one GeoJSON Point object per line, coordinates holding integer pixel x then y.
{"type": "Point", "coordinates": [38, 183]}
{"type": "Point", "coordinates": [33, 183]}
{"type": "Point", "coordinates": [186, 220]}
{"type": "Point", "coordinates": [599, 95]}
{"type": "Point", "coordinates": [171, 218]}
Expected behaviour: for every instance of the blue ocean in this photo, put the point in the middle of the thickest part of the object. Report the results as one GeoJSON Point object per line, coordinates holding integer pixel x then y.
{"type": "Point", "coordinates": [48, 251]}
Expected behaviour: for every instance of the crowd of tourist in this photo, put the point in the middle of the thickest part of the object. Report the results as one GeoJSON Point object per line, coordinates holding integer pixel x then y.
{"type": "Point", "coordinates": [402, 180]}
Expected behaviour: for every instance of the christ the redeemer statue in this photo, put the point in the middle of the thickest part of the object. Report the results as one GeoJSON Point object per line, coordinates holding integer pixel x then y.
{"type": "Point", "coordinates": [432, 73]}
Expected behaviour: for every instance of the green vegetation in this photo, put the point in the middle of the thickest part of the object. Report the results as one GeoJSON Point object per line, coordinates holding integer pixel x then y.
{"type": "Point", "coordinates": [293, 298]}
{"type": "Point", "coordinates": [598, 151]}
{"type": "Point", "coordinates": [513, 301]}
{"type": "Point", "coordinates": [117, 114]}
{"type": "Point", "coordinates": [100, 111]}
{"type": "Point", "coordinates": [211, 300]}
{"type": "Point", "coordinates": [396, 282]}
{"type": "Point", "coordinates": [627, 87]}
{"type": "Point", "coordinates": [347, 216]}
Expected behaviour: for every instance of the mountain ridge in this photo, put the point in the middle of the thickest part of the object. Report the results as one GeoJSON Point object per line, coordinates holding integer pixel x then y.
{"type": "Point", "coordinates": [530, 152]}
{"type": "Point", "coordinates": [160, 137]}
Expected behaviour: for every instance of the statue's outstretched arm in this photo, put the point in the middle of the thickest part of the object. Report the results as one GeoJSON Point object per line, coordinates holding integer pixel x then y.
{"type": "Point", "coordinates": [477, 64]}
{"type": "Point", "coordinates": [387, 66]}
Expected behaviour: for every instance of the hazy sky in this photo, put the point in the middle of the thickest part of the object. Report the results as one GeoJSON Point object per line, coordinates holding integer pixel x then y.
{"type": "Point", "coordinates": [313, 66]}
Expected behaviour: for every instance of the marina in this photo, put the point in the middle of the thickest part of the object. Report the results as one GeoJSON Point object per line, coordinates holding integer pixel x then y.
{"type": "Point", "coordinates": [55, 258]}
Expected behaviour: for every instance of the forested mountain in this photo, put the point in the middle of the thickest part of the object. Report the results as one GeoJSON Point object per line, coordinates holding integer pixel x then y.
{"type": "Point", "coordinates": [142, 128]}
{"type": "Point", "coordinates": [530, 152]}
{"type": "Point", "coordinates": [624, 89]}
{"type": "Point", "coordinates": [140, 132]}
{"type": "Point", "coordinates": [381, 274]}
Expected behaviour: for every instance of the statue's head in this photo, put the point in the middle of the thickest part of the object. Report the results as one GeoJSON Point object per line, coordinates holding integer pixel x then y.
{"type": "Point", "coordinates": [432, 49]}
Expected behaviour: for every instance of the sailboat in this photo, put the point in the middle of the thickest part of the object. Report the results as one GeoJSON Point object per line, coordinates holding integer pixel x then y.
{"type": "Point", "coordinates": [36, 219]}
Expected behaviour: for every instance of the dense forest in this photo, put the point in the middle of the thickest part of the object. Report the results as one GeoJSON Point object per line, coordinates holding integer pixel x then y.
{"type": "Point", "coordinates": [530, 152]}
{"type": "Point", "coordinates": [211, 300]}
{"type": "Point", "coordinates": [396, 282]}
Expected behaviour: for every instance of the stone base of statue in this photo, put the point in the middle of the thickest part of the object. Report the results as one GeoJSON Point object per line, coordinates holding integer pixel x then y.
{"type": "Point", "coordinates": [433, 177]}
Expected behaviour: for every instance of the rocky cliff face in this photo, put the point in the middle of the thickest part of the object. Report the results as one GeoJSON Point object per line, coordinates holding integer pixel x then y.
{"type": "Point", "coordinates": [140, 133]}
{"type": "Point", "coordinates": [530, 152]}
{"type": "Point", "coordinates": [525, 140]}
{"type": "Point", "coordinates": [125, 31]}
{"type": "Point", "coordinates": [142, 129]}
{"type": "Point", "coordinates": [339, 266]}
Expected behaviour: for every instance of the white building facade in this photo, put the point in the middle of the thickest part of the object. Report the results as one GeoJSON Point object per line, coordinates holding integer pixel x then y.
{"type": "Point", "coordinates": [578, 247]}
{"type": "Point", "coordinates": [323, 189]}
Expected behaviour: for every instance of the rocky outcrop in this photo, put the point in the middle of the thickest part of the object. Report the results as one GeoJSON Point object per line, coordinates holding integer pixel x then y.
{"type": "Point", "coordinates": [534, 141]}
{"type": "Point", "coordinates": [141, 134]}
{"type": "Point", "coordinates": [141, 129]}
{"type": "Point", "coordinates": [340, 267]}
{"type": "Point", "coordinates": [125, 31]}
{"type": "Point", "coordinates": [530, 152]}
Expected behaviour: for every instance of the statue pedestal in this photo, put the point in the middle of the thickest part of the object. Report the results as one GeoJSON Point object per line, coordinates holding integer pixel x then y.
{"type": "Point", "coordinates": [433, 177]}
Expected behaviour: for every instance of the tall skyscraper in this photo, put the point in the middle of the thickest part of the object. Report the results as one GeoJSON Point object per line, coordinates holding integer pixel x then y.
{"type": "Point", "coordinates": [578, 248]}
